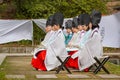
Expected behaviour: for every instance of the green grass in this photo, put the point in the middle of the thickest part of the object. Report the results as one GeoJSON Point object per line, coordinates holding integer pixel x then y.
{"type": "Point", "coordinates": [2, 76]}
{"type": "Point", "coordinates": [113, 68]}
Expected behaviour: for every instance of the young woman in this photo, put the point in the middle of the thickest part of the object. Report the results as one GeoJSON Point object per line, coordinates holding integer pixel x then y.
{"type": "Point", "coordinates": [73, 45]}
{"type": "Point", "coordinates": [95, 35]}
{"type": "Point", "coordinates": [69, 35]}
{"type": "Point", "coordinates": [80, 27]}
{"type": "Point", "coordinates": [85, 19]}
{"type": "Point", "coordinates": [74, 41]}
{"type": "Point", "coordinates": [49, 30]}
{"type": "Point", "coordinates": [49, 33]}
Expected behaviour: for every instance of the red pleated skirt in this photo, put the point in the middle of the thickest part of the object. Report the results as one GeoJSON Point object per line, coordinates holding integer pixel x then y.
{"type": "Point", "coordinates": [72, 63]}
{"type": "Point", "coordinates": [38, 63]}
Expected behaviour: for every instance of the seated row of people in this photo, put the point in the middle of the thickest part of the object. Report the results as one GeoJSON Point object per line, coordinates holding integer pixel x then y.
{"type": "Point", "coordinates": [82, 39]}
{"type": "Point", "coordinates": [89, 42]}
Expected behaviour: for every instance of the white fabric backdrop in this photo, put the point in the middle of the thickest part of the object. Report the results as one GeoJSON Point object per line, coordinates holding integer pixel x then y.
{"type": "Point", "coordinates": [110, 30]}
{"type": "Point", "coordinates": [15, 30]}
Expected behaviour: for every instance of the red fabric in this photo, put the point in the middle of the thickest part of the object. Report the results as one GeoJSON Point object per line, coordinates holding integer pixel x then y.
{"type": "Point", "coordinates": [86, 70]}
{"type": "Point", "coordinates": [38, 63]}
{"type": "Point", "coordinates": [72, 63]}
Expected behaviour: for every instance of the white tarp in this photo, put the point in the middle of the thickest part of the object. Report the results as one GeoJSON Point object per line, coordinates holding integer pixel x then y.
{"type": "Point", "coordinates": [15, 30]}
{"type": "Point", "coordinates": [110, 30]}
{"type": "Point", "coordinates": [40, 23]}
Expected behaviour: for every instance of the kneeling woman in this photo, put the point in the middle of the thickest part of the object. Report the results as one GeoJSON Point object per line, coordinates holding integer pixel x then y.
{"type": "Point", "coordinates": [46, 59]}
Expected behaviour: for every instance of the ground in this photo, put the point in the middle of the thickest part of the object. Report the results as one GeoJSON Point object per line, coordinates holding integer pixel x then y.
{"type": "Point", "coordinates": [22, 65]}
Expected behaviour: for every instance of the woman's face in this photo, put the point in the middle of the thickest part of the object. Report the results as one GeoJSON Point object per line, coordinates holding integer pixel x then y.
{"type": "Point", "coordinates": [90, 25]}
{"type": "Point", "coordinates": [85, 27]}
{"type": "Point", "coordinates": [56, 27]}
{"type": "Point", "coordinates": [80, 28]}
{"type": "Point", "coordinates": [48, 28]}
{"type": "Point", "coordinates": [75, 30]}
{"type": "Point", "coordinates": [68, 30]}
{"type": "Point", "coordinates": [53, 28]}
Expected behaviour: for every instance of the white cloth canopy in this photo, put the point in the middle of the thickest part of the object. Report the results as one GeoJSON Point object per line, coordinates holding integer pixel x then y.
{"type": "Point", "coordinates": [15, 30]}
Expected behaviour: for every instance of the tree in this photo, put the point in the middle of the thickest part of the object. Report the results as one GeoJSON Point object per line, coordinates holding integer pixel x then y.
{"type": "Point", "coordinates": [1, 1]}
{"type": "Point", "coordinates": [44, 8]}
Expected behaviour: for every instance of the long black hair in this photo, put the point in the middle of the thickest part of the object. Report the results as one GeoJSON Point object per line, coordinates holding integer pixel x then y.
{"type": "Point", "coordinates": [95, 26]}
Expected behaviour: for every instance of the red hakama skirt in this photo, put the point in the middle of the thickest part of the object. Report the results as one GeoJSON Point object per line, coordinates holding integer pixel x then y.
{"type": "Point", "coordinates": [72, 63]}
{"type": "Point", "coordinates": [38, 63]}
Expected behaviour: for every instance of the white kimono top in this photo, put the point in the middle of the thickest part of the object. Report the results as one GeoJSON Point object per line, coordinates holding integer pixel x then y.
{"type": "Point", "coordinates": [75, 41]}
{"type": "Point", "coordinates": [92, 48]}
{"type": "Point", "coordinates": [74, 38]}
{"type": "Point", "coordinates": [82, 42]}
{"type": "Point", "coordinates": [47, 38]}
{"type": "Point", "coordinates": [85, 38]}
{"type": "Point", "coordinates": [55, 48]}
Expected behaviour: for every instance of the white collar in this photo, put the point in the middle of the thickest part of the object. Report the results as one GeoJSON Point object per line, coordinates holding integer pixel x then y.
{"type": "Point", "coordinates": [96, 29]}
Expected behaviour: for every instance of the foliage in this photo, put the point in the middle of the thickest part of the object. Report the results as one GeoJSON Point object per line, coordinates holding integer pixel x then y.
{"type": "Point", "coordinates": [24, 42]}
{"type": "Point", "coordinates": [7, 10]}
{"type": "Point", "coordinates": [2, 8]}
{"type": "Point", "coordinates": [38, 34]}
{"type": "Point", "coordinates": [44, 8]}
